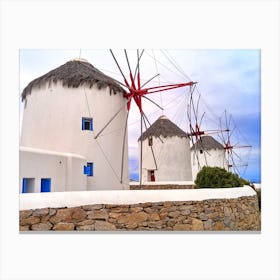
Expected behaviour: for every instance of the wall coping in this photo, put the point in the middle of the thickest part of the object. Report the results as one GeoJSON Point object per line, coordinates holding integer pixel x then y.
{"type": "Point", "coordinates": [48, 152]}
{"type": "Point", "coordinates": [160, 183]}
{"type": "Point", "coordinates": [124, 197]}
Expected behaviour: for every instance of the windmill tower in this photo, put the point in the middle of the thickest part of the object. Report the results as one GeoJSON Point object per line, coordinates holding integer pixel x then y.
{"type": "Point", "coordinates": [166, 152]}
{"type": "Point", "coordinates": [65, 110]}
{"type": "Point", "coordinates": [207, 151]}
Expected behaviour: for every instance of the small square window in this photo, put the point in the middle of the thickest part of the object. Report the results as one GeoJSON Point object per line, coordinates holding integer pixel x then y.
{"type": "Point", "coordinates": [88, 170]}
{"type": "Point", "coordinates": [87, 124]}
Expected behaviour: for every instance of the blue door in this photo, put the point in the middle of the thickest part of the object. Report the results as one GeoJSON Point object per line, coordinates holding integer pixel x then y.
{"type": "Point", "coordinates": [45, 185]}
{"type": "Point", "coordinates": [24, 185]}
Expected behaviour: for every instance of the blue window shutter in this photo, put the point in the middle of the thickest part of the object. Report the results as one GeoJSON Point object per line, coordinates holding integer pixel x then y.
{"type": "Point", "coordinates": [91, 124]}
{"type": "Point", "coordinates": [83, 123]}
{"type": "Point", "coordinates": [24, 181]}
{"type": "Point", "coordinates": [45, 185]}
{"type": "Point", "coordinates": [86, 170]}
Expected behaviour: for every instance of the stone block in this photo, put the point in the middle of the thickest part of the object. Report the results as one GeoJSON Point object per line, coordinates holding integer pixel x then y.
{"type": "Point", "coordinates": [24, 228]}
{"type": "Point", "coordinates": [92, 207]}
{"type": "Point", "coordinates": [208, 224]}
{"type": "Point", "coordinates": [135, 209]}
{"type": "Point", "coordinates": [62, 215]}
{"type": "Point", "coordinates": [85, 223]}
{"type": "Point", "coordinates": [197, 225]}
{"type": "Point", "coordinates": [104, 226]}
{"type": "Point", "coordinates": [30, 221]}
{"type": "Point", "coordinates": [218, 226]}
{"type": "Point", "coordinates": [185, 212]}
{"type": "Point", "coordinates": [86, 227]}
{"type": "Point", "coordinates": [154, 217]}
{"type": "Point", "coordinates": [182, 227]}
{"type": "Point", "coordinates": [133, 218]}
{"type": "Point", "coordinates": [64, 226]}
{"type": "Point", "coordinates": [98, 215]}
{"type": "Point", "coordinates": [42, 226]}
{"type": "Point", "coordinates": [78, 214]}
{"type": "Point", "coordinates": [174, 214]}
{"type": "Point", "coordinates": [41, 212]}
{"type": "Point", "coordinates": [25, 214]}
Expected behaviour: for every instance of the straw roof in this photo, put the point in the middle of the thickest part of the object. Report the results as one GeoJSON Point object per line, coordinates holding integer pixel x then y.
{"type": "Point", "coordinates": [207, 143]}
{"type": "Point", "coordinates": [73, 74]}
{"type": "Point", "coordinates": [163, 127]}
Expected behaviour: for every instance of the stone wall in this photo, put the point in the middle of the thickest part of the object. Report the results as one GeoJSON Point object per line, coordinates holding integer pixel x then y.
{"type": "Point", "coordinates": [232, 214]}
{"type": "Point", "coordinates": [161, 187]}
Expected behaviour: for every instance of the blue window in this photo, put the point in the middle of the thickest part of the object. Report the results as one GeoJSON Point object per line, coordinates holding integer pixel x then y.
{"type": "Point", "coordinates": [87, 124]}
{"type": "Point", "coordinates": [28, 185]}
{"type": "Point", "coordinates": [88, 170]}
{"type": "Point", "coordinates": [45, 185]}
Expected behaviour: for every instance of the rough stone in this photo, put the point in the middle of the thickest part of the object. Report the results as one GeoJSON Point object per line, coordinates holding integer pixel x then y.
{"type": "Point", "coordinates": [167, 204]}
{"type": "Point", "coordinates": [85, 223]}
{"type": "Point", "coordinates": [23, 228]}
{"type": "Point", "coordinates": [98, 215]}
{"type": "Point", "coordinates": [197, 224]}
{"type": "Point", "coordinates": [227, 211]}
{"type": "Point", "coordinates": [174, 214]}
{"type": "Point", "coordinates": [52, 212]}
{"type": "Point", "coordinates": [62, 215]}
{"type": "Point", "coordinates": [154, 217]}
{"type": "Point", "coordinates": [86, 227]}
{"type": "Point", "coordinates": [182, 227]}
{"type": "Point", "coordinates": [121, 209]}
{"type": "Point", "coordinates": [30, 221]}
{"type": "Point", "coordinates": [203, 217]}
{"type": "Point", "coordinates": [208, 224]}
{"type": "Point", "coordinates": [218, 226]}
{"type": "Point", "coordinates": [64, 226]}
{"type": "Point", "coordinates": [133, 218]}
{"type": "Point", "coordinates": [163, 215]}
{"type": "Point", "coordinates": [157, 224]}
{"type": "Point", "coordinates": [136, 209]}
{"type": "Point", "coordinates": [41, 212]}
{"type": "Point", "coordinates": [171, 223]}
{"type": "Point", "coordinates": [114, 215]}
{"type": "Point", "coordinates": [132, 226]}
{"type": "Point", "coordinates": [185, 212]}
{"type": "Point", "coordinates": [92, 207]}
{"type": "Point", "coordinates": [104, 226]}
{"type": "Point", "coordinates": [42, 226]}
{"type": "Point", "coordinates": [25, 214]}
{"type": "Point", "coordinates": [45, 219]}
{"type": "Point", "coordinates": [78, 214]}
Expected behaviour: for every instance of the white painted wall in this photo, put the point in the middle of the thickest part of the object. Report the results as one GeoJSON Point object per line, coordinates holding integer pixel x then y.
{"type": "Point", "coordinates": [172, 157]}
{"type": "Point", "coordinates": [212, 157]}
{"type": "Point", "coordinates": [65, 170]}
{"type": "Point", "coordinates": [52, 121]}
{"type": "Point", "coordinates": [73, 199]}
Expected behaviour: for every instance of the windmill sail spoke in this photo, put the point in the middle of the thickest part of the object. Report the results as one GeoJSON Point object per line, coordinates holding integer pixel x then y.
{"type": "Point", "coordinates": [123, 146]}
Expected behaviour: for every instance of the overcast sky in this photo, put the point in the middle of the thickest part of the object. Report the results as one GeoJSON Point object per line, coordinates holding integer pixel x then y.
{"type": "Point", "coordinates": [227, 80]}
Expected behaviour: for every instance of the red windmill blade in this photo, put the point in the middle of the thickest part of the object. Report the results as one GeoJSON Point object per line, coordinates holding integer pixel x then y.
{"type": "Point", "coordinates": [135, 91]}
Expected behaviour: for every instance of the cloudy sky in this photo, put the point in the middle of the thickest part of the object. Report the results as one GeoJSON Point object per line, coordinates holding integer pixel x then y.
{"type": "Point", "coordinates": [228, 80]}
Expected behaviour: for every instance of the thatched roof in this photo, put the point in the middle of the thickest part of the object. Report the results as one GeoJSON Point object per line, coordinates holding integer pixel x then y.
{"type": "Point", "coordinates": [163, 127]}
{"type": "Point", "coordinates": [207, 143]}
{"type": "Point", "coordinates": [73, 74]}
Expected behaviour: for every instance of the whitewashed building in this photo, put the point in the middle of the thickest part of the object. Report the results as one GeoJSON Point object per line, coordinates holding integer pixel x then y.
{"type": "Point", "coordinates": [61, 146]}
{"type": "Point", "coordinates": [165, 153]}
{"type": "Point", "coordinates": [207, 151]}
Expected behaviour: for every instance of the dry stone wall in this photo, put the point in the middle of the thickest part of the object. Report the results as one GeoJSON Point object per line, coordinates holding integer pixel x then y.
{"type": "Point", "coordinates": [235, 214]}
{"type": "Point", "coordinates": [161, 187]}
